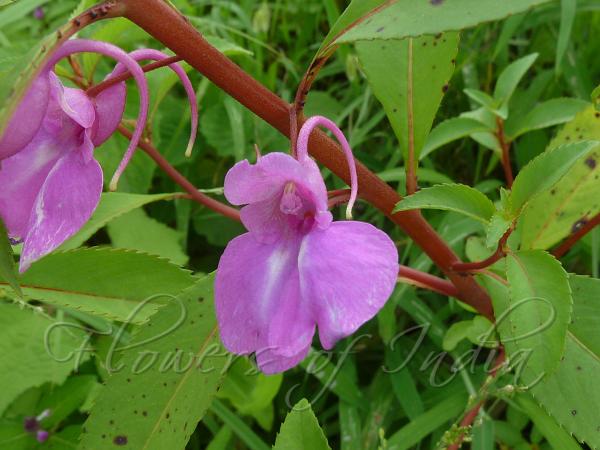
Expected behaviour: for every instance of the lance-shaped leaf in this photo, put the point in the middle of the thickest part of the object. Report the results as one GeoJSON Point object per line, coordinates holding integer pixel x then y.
{"type": "Point", "coordinates": [545, 171]}
{"type": "Point", "coordinates": [510, 78]}
{"type": "Point", "coordinates": [164, 381]}
{"type": "Point", "coordinates": [409, 77]}
{"type": "Point", "coordinates": [301, 430]}
{"type": "Point", "coordinates": [549, 113]}
{"type": "Point", "coordinates": [404, 18]}
{"type": "Point", "coordinates": [451, 130]}
{"type": "Point", "coordinates": [450, 197]}
{"type": "Point", "coordinates": [36, 349]}
{"type": "Point", "coordinates": [555, 214]}
{"type": "Point", "coordinates": [116, 284]}
{"type": "Point", "coordinates": [112, 205]}
{"type": "Point", "coordinates": [571, 395]}
{"type": "Point", "coordinates": [538, 312]}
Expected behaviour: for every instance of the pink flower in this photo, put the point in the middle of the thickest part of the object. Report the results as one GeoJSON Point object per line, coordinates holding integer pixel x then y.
{"type": "Point", "coordinates": [295, 269]}
{"type": "Point", "coordinates": [51, 183]}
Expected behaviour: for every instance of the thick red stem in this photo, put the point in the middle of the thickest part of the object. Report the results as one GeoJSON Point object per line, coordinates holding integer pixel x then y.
{"type": "Point", "coordinates": [173, 30]}
{"type": "Point", "coordinates": [563, 248]}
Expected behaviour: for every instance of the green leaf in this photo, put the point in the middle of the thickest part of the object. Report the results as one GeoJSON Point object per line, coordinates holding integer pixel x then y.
{"type": "Point", "coordinates": [534, 324]}
{"type": "Point", "coordinates": [398, 174]}
{"type": "Point", "coordinates": [547, 114]}
{"type": "Point", "coordinates": [546, 170]}
{"type": "Point", "coordinates": [36, 349]}
{"type": "Point", "coordinates": [510, 78]}
{"type": "Point", "coordinates": [416, 430]}
{"type": "Point", "coordinates": [451, 130]}
{"type": "Point", "coordinates": [164, 381]}
{"type": "Point", "coordinates": [571, 394]}
{"type": "Point", "coordinates": [497, 227]}
{"type": "Point", "coordinates": [568, 9]}
{"type": "Point", "coordinates": [111, 206]}
{"type": "Point", "coordinates": [251, 392]}
{"type": "Point", "coordinates": [17, 11]}
{"type": "Point", "coordinates": [450, 197]}
{"type": "Point", "coordinates": [409, 77]}
{"type": "Point", "coordinates": [554, 434]}
{"type": "Point", "coordinates": [238, 426]}
{"type": "Point", "coordinates": [8, 268]}
{"type": "Point", "coordinates": [137, 231]}
{"type": "Point", "coordinates": [327, 372]}
{"type": "Point", "coordinates": [116, 284]}
{"type": "Point", "coordinates": [555, 214]}
{"type": "Point", "coordinates": [66, 398]}
{"type": "Point", "coordinates": [403, 384]}
{"type": "Point", "coordinates": [457, 332]}
{"type": "Point", "coordinates": [483, 435]}
{"type": "Point", "coordinates": [482, 99]}
{"type": "Point", "coordinates": [404, 18]}
{"type": "Point", "coordinates": [301, 430]}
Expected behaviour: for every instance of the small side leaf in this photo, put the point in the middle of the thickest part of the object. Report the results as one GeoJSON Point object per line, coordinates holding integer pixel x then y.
{"type": "Point", "coordinates": [510, 78]}
{"type": "Point", "coordinates": [451, 197]}
{"type": "Point", "coordinates": [451, 130]}
{"type": "Point", "coordinates": [545, 170]}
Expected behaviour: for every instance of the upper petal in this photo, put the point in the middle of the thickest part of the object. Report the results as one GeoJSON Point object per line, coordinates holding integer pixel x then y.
{"type": "Point", "coordinates": [247, 183]}
{"type": "Point", "coordinates": [74, 102]}
{"type": "Point", "coordinates": [347, 273]}
{"type": "Point", "coordinates": [65, 203]}
{"type": "Point", "coordinates": [257, 298]}
{"type": "Point", "coordinates": [110, 107]}
{"type": "Point", "coordinates": [27, 118]}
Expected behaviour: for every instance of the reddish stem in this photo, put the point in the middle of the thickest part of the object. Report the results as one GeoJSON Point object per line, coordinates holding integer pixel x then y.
{"type": "Point", "coordinates": [167, 25]}
{"type": "Point", "coordinates": [427, 281]}
{"type": "Point", "coordinates": [95, 90]}
{"type": "Point", "coordinates": [505, 146]}
{"type": "Point", "coordinates": [471, 415]}
{"type": "Point", "coordinates": [182, 181]}
{"type": "Point", "coordinates": [563, 248]}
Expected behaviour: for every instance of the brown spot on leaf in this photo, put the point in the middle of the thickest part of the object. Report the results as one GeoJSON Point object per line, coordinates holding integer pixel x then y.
{"type": "Point", "coordinates": [445, 88]}
{"type": "Point", "coordinates": [380, 29]}
{"type": "Point", "coordinates": [120, 440]}
{"type": "Point", "coordinates": [578, 225]}
{"type": "Point", "coordinates": [436, 2]}
{"type": "Point", "coordinates": [591, 163]}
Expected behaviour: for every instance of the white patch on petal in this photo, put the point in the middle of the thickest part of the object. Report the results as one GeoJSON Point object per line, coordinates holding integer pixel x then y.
{"type": "Point", "coordinates": [275, 267]}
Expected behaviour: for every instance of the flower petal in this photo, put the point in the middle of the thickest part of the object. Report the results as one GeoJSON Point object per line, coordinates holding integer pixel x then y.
{"type": "Point", "coordinates": [27, 118]}
{"type": "Point", "coordinates": [110, 107]}
{"type": "Point", "coordinates": [271, 362]}
{"type": "Point", "coordinates": [65, 203]}
{"type": "Point", "coordinates": [347, 273]}
{"type": "Point", "coordinates": [23, 175]}
{"type": "Point", "coordinates": [257, 298]}
{"type": "Point", "coordinates": [247, 183]}
{"type": "Point", "coordinates": [74, 102]}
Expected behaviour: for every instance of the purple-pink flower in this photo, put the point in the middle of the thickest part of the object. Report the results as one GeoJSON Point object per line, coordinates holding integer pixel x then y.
{"type": "Point", "coordinates": [297, 270]}
{"type": "Point", "coordinates": [51, 182]}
